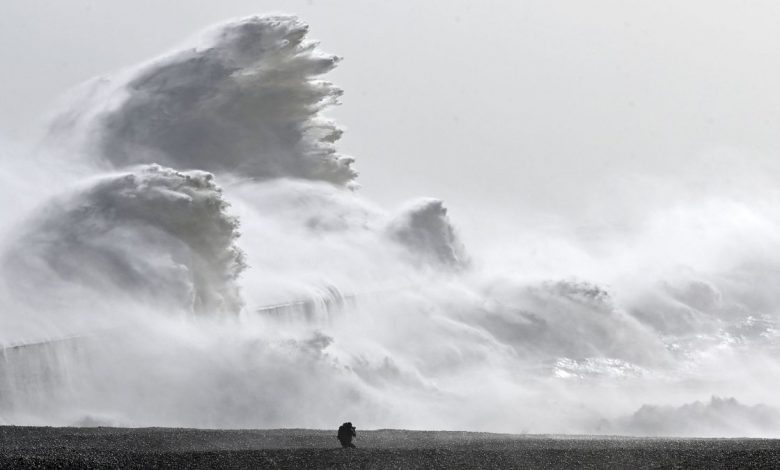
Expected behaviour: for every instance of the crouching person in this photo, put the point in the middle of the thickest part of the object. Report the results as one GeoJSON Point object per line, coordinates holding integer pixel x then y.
{"type": "Point", "coordinates": [345, 435]}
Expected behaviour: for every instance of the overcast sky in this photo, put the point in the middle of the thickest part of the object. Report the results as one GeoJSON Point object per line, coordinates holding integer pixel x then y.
{"type": "Point", "coordinates": [501, 106]}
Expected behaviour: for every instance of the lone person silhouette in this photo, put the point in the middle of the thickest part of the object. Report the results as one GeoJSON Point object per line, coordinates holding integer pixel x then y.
{"type": "Point", "coordinates": [345, 435]}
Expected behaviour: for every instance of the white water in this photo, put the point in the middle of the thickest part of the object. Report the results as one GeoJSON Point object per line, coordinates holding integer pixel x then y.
{"type": "Point", "coordinates": [269, 293]}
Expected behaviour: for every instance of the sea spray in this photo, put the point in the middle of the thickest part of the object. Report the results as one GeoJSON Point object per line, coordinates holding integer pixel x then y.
{"type": "Point", "coordinates": [246, 100]}
{"type": "Point", "coordinates": [130, 298]}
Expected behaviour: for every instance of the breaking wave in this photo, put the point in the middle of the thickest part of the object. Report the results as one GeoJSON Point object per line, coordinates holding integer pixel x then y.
{"type": "Point", "coordinates": [152, 232]}
{"type": "Point", "coordinates": [245, 100]}
{"type": "Point", "coordinates": [425, 229]}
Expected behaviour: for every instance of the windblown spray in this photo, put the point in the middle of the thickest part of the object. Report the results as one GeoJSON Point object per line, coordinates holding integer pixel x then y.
{"type": "Point", "coordinates": [213, 264]}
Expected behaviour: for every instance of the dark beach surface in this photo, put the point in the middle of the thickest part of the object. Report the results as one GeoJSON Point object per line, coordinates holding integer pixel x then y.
{"type": "Point", "coordinates": [40, 447]}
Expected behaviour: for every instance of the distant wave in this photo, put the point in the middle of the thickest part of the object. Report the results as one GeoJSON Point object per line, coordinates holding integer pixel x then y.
{"type": "Point", "coordinates": [717, 418]}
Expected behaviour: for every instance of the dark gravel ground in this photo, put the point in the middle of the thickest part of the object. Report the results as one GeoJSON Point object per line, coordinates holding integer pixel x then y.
{"type": "Point", "coordinates": [163, 448]}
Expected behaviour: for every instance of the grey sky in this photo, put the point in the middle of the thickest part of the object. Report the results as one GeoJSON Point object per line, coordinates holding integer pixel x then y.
{"type": "Point", "coordinates": [506, 105]}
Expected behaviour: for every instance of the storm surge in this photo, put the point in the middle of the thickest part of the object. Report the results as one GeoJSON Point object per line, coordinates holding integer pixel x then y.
{"type": "Point", "coordinates": [212, 263]}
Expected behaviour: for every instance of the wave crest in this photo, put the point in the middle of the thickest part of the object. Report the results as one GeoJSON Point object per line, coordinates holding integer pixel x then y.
{"type": "Point", "coordinates": [151, 233]}
{"type": "Point", "coordinates": [247, 101]}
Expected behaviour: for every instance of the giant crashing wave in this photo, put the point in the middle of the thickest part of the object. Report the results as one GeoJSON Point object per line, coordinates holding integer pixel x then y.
{"type": "Point", "coordinates": [100, 267]}
{"type": "Point", "coordinates": [246, 100]}
{"type": "Point", "coordinates": [244, 105]}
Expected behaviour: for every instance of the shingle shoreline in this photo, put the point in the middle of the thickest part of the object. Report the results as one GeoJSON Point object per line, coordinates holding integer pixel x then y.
{"type": "Point", "coordinates": [66, 448]}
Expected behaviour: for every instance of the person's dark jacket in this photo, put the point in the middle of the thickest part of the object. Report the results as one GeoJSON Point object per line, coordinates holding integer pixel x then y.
{"type": "Point", "coordinates": [346, 433]}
